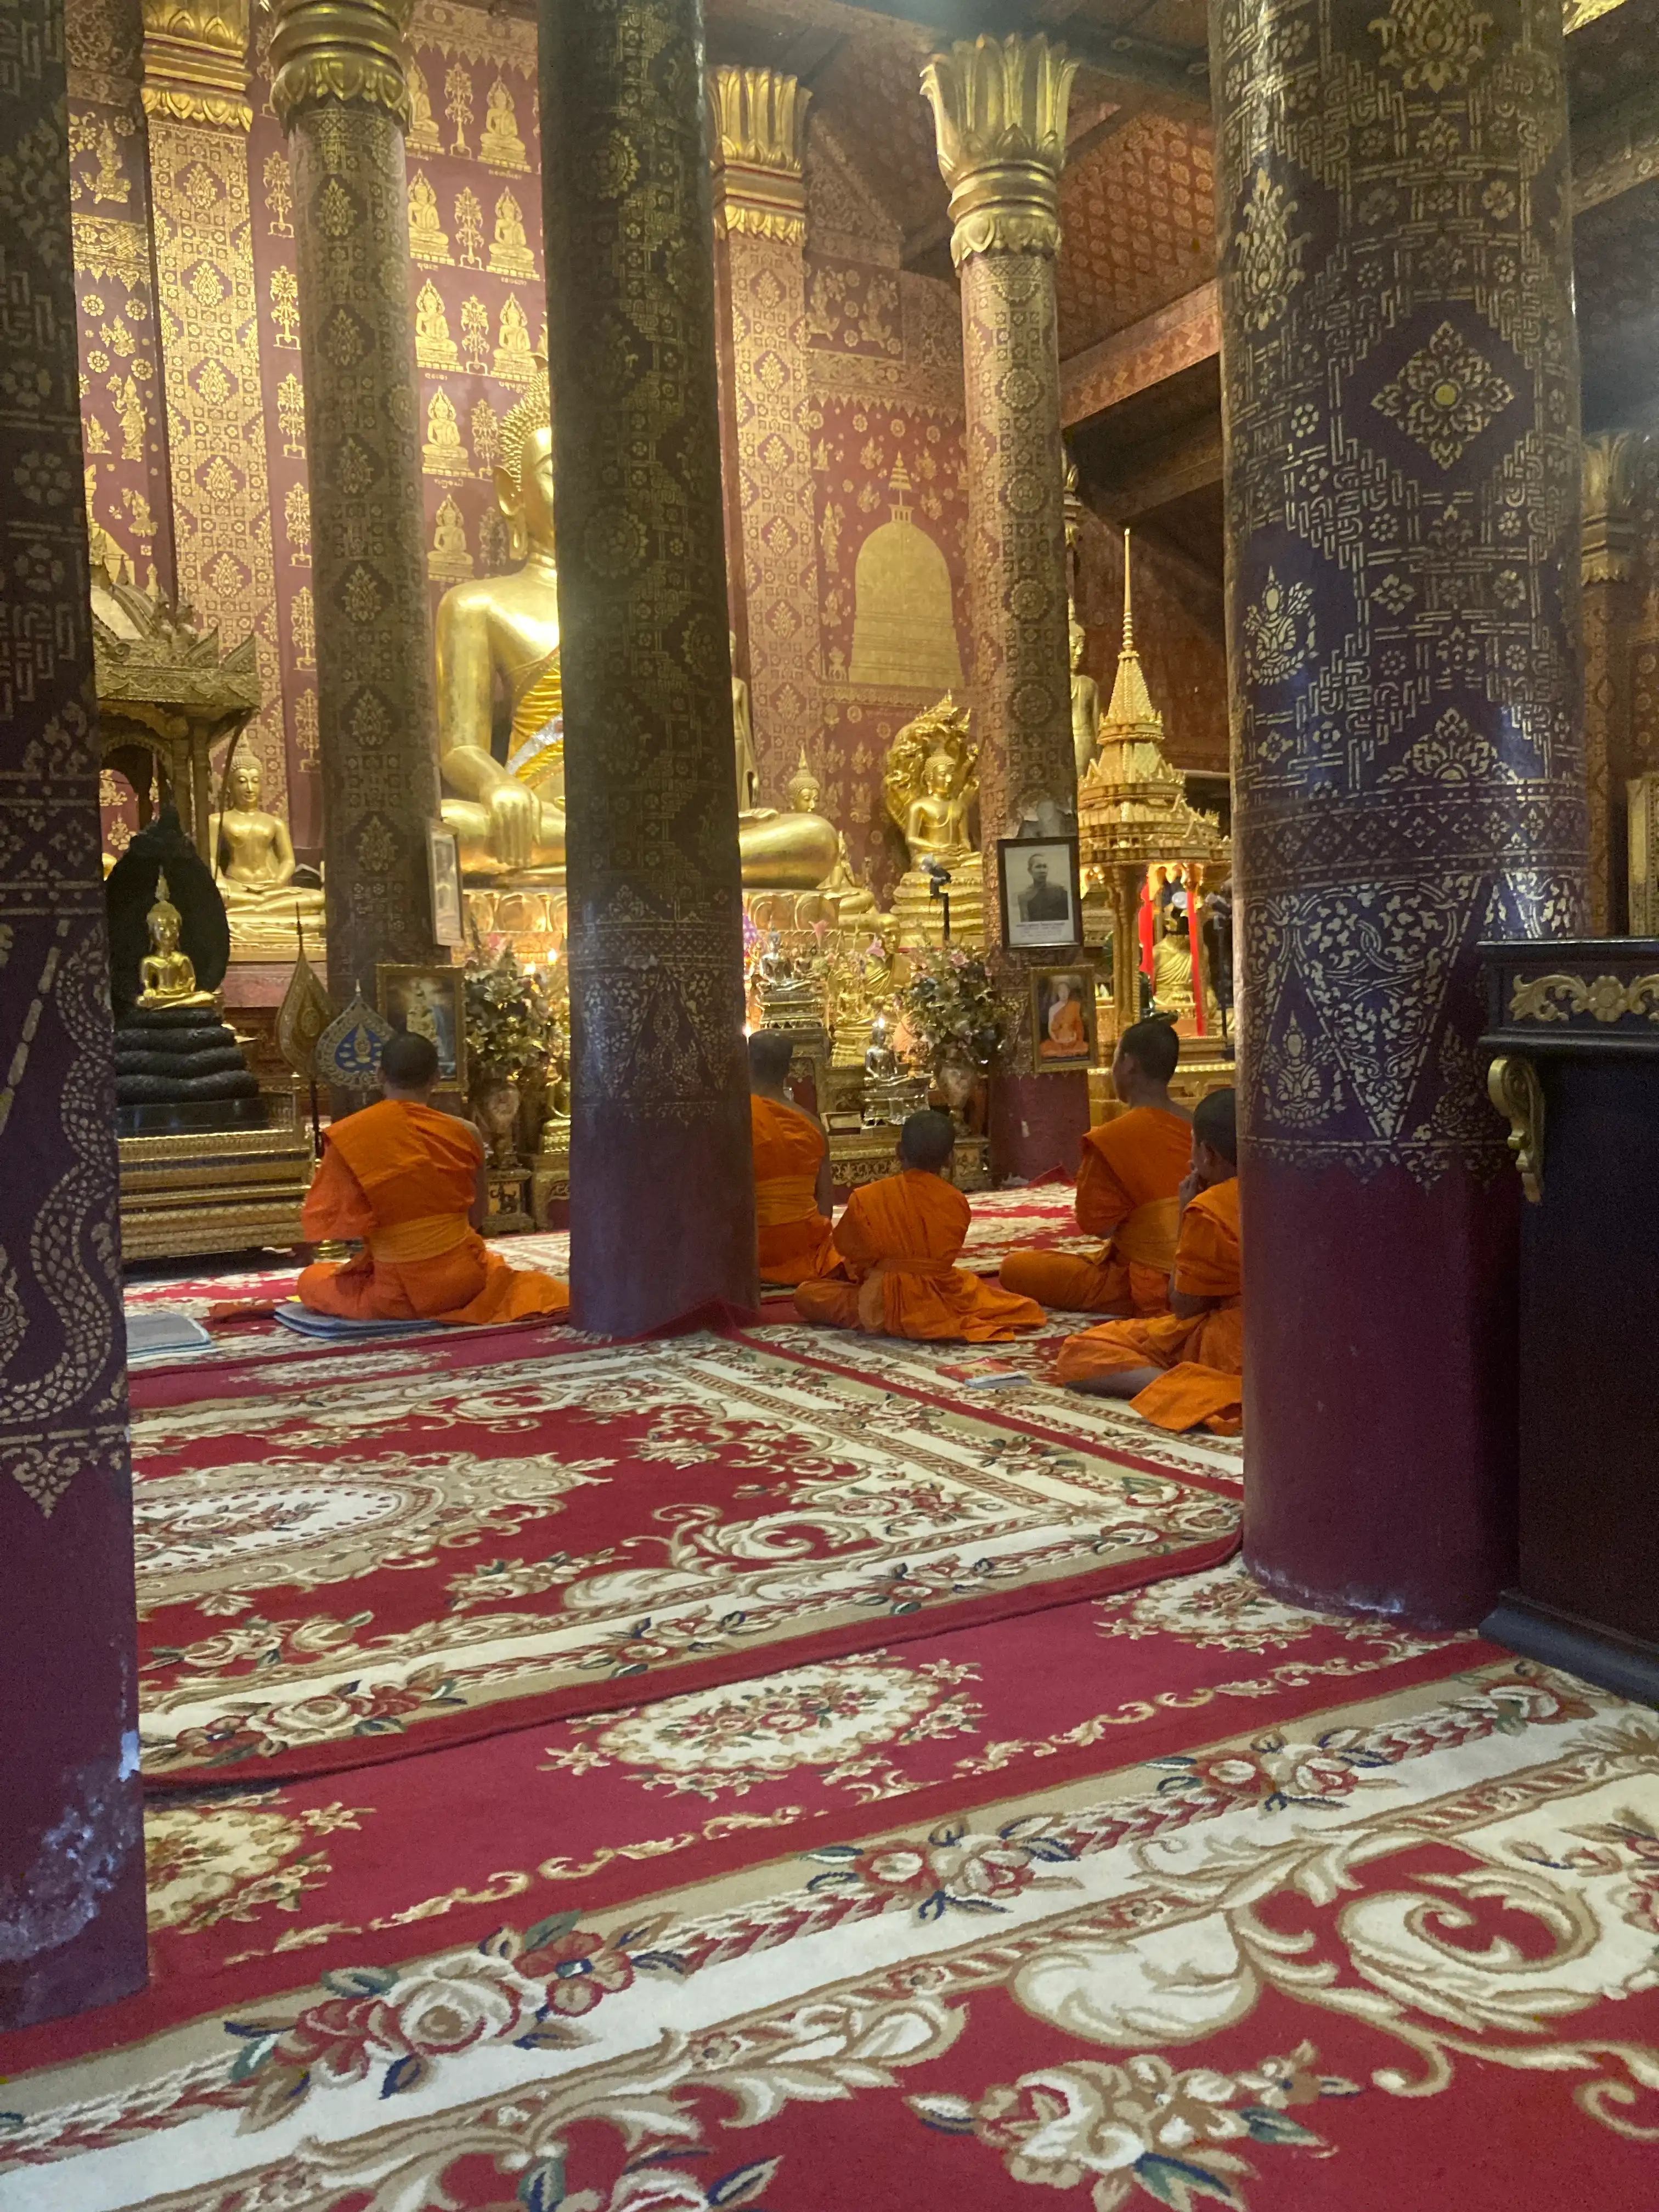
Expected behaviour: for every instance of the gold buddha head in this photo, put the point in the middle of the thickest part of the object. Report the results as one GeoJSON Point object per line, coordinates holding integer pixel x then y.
{"type": "Point", "coordinates": [803, 787]}
{"type": "Point", "coordinates": [244, 782]}
{"type": "Point", "coordinates": [1078, 640]}
{"type": "Point", "coordinates": [162, 921]}
{"type": "Point", "coordinates": [938, 775]}
{"type": "Point", "coordinates": [524, 475]}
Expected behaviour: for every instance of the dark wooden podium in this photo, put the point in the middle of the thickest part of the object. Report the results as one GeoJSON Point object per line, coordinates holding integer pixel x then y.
{"type": "Point", "coordinates": [1574, 1035]}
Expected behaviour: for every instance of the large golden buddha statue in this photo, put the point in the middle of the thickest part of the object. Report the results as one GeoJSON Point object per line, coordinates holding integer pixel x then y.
{"type": "Point", "coordinates": [254, 866]}
{"type": "Point", "coordinates": [508, 820]}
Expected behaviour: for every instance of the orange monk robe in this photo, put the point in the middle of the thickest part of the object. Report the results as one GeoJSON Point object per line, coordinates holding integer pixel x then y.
{"type": "Point", "coordinates": [1065, 1031]}
{"type": "Point", "coordinates": [794, 1237]}
{"type": "Point", "coordinates": [402, 1177]}
{"type": "Point", "coordinates": [897, 1241]}
{"type": "Point", "coordinates": [1203, 1358]}
{"type": "Point", "coordinates": [1126, 1186]}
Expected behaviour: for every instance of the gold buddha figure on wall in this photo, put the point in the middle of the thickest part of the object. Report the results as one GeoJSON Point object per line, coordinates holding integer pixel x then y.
{"type": "Point", "coordinates": [508, 820]}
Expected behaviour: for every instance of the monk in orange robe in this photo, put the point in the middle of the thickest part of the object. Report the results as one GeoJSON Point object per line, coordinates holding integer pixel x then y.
{"type": "Point", "coordinates": [896, 1244]}
{"type": "Point", "coordinates": [1067, 1036]}
{"type": "Point", "coordinates": [1186, 1368]}
{"type": "Point", "coordinates": [792, 1191]}
{"type": "Point", "coordinates": [1127, 1186]}
{"type": "Point", "coordinates": [410, 1181]}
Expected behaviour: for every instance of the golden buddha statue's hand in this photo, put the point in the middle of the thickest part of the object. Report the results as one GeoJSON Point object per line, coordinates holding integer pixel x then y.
{"type": "Point", "coordinates": [515, 818]}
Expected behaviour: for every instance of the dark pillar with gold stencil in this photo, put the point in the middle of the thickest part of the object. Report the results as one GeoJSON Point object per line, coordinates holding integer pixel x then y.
{"type": "Point", "coordinates": [999, 108]}
{"type": "Point", "coordinates": [1613, 466]}
{"type": "Point", "coordinates": [1399, 388]}
{"type": "Point", "coordinates": [662, 1212]}
{"type": "Point", "coordinates": [71, 1829]}
{"type": "Point", "coordinates": [339, 92]}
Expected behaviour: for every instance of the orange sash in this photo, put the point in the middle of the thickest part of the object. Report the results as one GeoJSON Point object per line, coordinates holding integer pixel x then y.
{"type": "Point", "coordinates": [780, 1199]}
{"type": "Point", "coordinates": [1148, 1237]}
{"type": "Point", "coordinates": [428, 1237]}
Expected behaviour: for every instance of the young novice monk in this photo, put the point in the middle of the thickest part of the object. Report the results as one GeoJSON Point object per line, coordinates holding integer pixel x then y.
{"type": "Point", "coordinates": [897, 1242]}
{"type": "Point", "coordinates": [1127, 1186]}
{"type": "Point", "coordinates": [1185, 1367]}
{"type": "Point", "coordinates": [410, 1181]}
{"type": "Point", "coordinates": [791, 1169]}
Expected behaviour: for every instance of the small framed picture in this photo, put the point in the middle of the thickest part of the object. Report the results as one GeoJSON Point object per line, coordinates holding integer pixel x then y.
{"type": "Point", "coordinates": [443, 870]}
{"type": "Point", "coordinates": [1042, 896]}
{"type": "Point", "coordinates": [1062, 1019]}
{"type": "Point", "coordinates": [432, 1001]}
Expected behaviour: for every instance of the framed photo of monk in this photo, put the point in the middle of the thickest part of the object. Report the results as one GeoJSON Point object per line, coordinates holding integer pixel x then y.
{"type": "Point", "coordinates": [432, 1002]}
{"type": "Point", "coordinates": [1041, 895]}
{"type": "Point", "coordinates": [1062, 1019]}
{"type": "Point", "coordinates": [443, 871]}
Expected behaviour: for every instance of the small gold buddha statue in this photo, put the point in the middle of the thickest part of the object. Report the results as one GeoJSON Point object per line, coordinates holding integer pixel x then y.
{"type": "Point", "coordinates": [509, 821]}
{"type": "Point", "coordinates": [253, 864]}
{"type": "Point", "coordinates": [855, 902]}
{"type": "Point", "coordinates": [165, 972]}
{"type": "Point", "coordinates": [1085, 701]}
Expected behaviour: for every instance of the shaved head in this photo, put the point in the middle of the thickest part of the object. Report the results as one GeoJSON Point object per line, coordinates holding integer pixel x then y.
{"type": "Point", "coordinates": [1153, 1047]}
{"type": "Point", "coordinates": [409, 1062]}
{"type": "Point", "coordinates": [1215, 1123]}
{"type": "Point", "coordinates": [928, 1141]}
{"type": "Point", "coordinates": [769, 1054]}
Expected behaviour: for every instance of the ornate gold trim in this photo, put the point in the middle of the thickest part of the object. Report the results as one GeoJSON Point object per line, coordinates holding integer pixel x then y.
{"type": "Point", "coordinates": [1559, 998]}
{"type": "Point", "coordinates": [195, 62]}
{"type": "Point", "coordinates": [1000, 118]}
{"type": "Point", "coordinates": [760, 119]}
{"type": "Point", "coordinates": [351, 51]}
{"type": "Point", "coordinates": [1613, 466]}
{"type": "Point", "coordinates": [1513, 1086]}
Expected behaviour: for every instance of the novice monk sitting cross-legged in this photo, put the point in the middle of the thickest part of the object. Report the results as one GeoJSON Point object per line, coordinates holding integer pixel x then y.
{"type": "Point", "coordinates": [410, 1181]}
{"type": "Point", "coordinates": [1126, 1182]}
{"type": "Point", "coordinates": [791, 1169]}
{"type": "Point", "coordinates": [897, 1242]}
{"type": "Point", "coordinates": [1185, 1367]}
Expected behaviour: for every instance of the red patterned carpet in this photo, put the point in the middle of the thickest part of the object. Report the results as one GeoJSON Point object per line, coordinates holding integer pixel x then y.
{"type": "Point", "coordinates": [1382, 1936]}
{"type": "Point", "coordinates": [966, 1836]}
{"type": "Point", "coordinates": [429, 1544]}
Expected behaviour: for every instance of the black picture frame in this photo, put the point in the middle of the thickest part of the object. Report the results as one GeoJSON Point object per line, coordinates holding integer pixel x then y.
{"type": "Point", "coordinates": [1047, 932]}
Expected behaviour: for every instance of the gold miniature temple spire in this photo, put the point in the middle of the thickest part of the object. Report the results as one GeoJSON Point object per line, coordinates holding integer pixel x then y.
{"type": "Point", "coordinates": [1131, 703]}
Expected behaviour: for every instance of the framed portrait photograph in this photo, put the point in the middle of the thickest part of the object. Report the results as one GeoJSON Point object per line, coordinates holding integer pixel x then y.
{"type": "Point", "coordinates": [1062, 1019]}
{"type": "Point", "coordinates": [432, 1001]}
{"type": "Point", "coordinates": [443, 870]}
{"type": "Point", "coordinates": [1041, 895]}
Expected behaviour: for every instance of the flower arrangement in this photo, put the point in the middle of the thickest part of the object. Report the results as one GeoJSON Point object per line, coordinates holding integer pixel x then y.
{"type": "Point", "coordinates": [512, 1020]}
{"type": "Point", "coordinates": [954, 1010]}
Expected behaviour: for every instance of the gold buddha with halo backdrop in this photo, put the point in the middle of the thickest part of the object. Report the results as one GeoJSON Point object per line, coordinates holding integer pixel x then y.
{"type": "Point", "coordinates": [508, 819]}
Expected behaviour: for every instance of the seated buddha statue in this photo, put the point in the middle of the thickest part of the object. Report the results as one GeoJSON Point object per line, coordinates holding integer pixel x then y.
{"type": "Point", "coordinates": [508, 820]}
{"type": "Point", "coordinates": [166, 976]}
{"type": "Point", "coordinates": [931, 785]}
{"type": "Point", "coordinates": [253, 865]}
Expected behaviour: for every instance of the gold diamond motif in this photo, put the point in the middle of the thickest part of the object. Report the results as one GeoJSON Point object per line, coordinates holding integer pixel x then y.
{"type": "Point", "coordinates": [1445, 396]}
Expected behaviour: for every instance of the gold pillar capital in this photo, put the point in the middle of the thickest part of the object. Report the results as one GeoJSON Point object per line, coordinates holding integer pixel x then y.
{"type": "Point", "coordinates": [1000, 118]}
{"type": "Point", "coordinates": [1613, 464]}
{"type": "Point", "coordinates": [760, 119]}
{"type": "Point", "coordinates": [195, 61]}
{"type": "Point", "coordinates": [351, 51]}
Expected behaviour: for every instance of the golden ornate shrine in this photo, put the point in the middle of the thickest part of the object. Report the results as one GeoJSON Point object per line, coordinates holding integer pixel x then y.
{"type": "Point", "coordinates": [1134, 822]}
{"type": "Point", "coordinates": [166, 696]}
